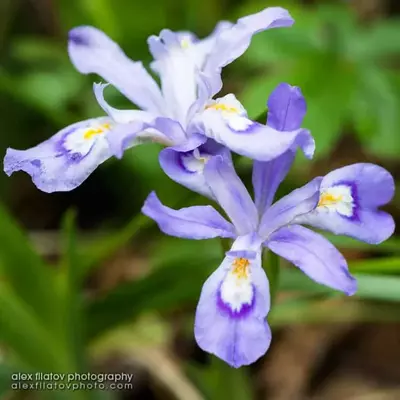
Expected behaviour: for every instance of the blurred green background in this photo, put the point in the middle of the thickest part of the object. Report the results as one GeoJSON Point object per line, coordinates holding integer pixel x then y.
{"type": "Point", "coordinates": [88, 284]}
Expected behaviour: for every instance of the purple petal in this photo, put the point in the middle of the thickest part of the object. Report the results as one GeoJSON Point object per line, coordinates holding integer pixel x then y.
{"type": "Point", "coordinates": [284, 211]}
{"type": "Point", "coordinates": [232, 43]}
{"type": "Point", "coordinates": [314, 255]}
{"type": "Point", "coordinates": [65, 160]}
{"type": "Point", "coordinates": [92, 51]}
{"type": "Point", "coordinates": [231, 194]}
{"type": "Point", "coordinates": [357, 191]}
{"type": "Point", "coordinates": [230, 317]}
{"type": "Point", "coordinates": [375, 185]}
{"type": "Point", "coordinates": [245, 137]}
{"type": "Point", "coordinates": [187, 168]}
{"type": "Point", "coordinates": [198, 222]}
{"type": "Point", "coordinates": [267, 176]}
{"type": "Point", "coordinates": [286, 108]}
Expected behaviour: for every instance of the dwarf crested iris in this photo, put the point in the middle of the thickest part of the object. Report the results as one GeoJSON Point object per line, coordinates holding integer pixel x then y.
{"type": "Point", "coordinates": [235, 300]}
{"type": "Point", "coordinates": [181, 114]}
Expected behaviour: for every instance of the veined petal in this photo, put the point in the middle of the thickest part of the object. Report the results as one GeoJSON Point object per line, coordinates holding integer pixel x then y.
{"type": "Point", "coordinates": [198, 222]}
{"type": "Point", "coordinates": [285, 210]}
{"type": "Point", "coordinates": [286, 110]}
{"type": "Point", "coordinates": [175, 63]}
{"type": "Point", "coordinates": [92, 51]}
{"type": "Point", "coordinates": [266, 178]}
{"type": "Point", "coordinates": [231, 194]}
{"type": "Point", "coordinates": [161, 130]}
{"type": "Point", "coordinates": [225, 120]}
{"type": "Point", "coordinates": [187, 168]}
{"type": "Point", "coordinates": [233, 42]}
{"type": "Point", "coordinates": [314, 255]}
{"type": "Point", "coordinates": [120, 116]}
{"type": "Point", "coordinates": [65, 160]}
{"type": "Point", "coordinates": [230, 317]}
{"type": "Point", "coordinates": [348, 202]}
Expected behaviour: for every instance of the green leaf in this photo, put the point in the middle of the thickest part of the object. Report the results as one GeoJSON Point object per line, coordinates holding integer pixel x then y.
{"type": "Point", "coordinates": [378, 41]}
{"type": "Point", "coordinates": [391, 245]}
{"type": "Point", "coordinates": [27, 337]}
{"type": "Point", "coordinates": [327, 84]}
{"type": "Point", "coordinates": [371, 287]}
{"type": "Point", "coordinates": [376, 112]}
{"type": "Point", "coordinates": [70, 270]}
{"type": "Point", "coordinates": [212, 381]}
{"type": "Point", "coordinates": [26, 274]}
{"type": "Point", "coordinates": [378, 287]}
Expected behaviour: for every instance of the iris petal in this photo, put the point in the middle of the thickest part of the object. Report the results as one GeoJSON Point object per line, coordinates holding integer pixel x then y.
{"type": "Point", "coordinates": [92, 51]}
{"type": "Point", "coordinates": [230, 320]}
{"type": "Point", "coordinates": [314, 255]}
{"type": "Point", "coordinates": [65, 160]}
{"type": "Point", "coordinates": [197, 222]}
{"type": "Point", "coordinates": [357, 191]}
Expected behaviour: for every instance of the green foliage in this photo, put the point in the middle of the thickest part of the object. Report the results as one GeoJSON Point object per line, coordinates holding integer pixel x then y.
{"type": "Point", "coordinates": [344, 70]}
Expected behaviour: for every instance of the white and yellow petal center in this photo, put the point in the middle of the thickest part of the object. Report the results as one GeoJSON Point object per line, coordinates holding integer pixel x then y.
{"type": "Point", "coordinates": [337, 198]}
{"type": "Point", "coordinates": [237, 291]}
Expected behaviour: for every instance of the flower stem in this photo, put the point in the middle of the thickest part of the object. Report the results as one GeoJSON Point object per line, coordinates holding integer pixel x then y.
{"type": "Point", "coordinates": [271, 265]}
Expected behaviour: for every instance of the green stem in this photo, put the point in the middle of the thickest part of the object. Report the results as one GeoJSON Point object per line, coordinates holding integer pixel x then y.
{"type": "Point", "coordinates": [271, 265]}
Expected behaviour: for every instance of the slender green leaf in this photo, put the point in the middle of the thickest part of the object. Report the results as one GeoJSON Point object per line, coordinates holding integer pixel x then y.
{"type": "Point", "coordinates": [24, 271]}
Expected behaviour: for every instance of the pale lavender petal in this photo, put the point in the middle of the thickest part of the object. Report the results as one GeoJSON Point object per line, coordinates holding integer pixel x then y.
{"type": "Point", "coordinates": [65, 160]}
{"type": "Point", "coordinates": [120, 116]}
{"type": "Point", "coordinates": [176, 65]}
{"type": "Point", "coordinates": [161, 130]}
{"type": "Point", "coordinates": [92, 51]}
{"type": "Point", "coordinates": [245, 137]}
{"type": "Point", "coordinates": [285, 210]}
{"type": "Point", "coordinates": [314, 255]}
{"type": "Point", "coordinates": [187, 168]}
{"type": "Point", "coordinates": [197, 222]}
{"type": "Point", "coordinates": [232, 43]}
{"type": "Point", "coordinates": [230, 317]}
{"type": "Point", "coordinates": [231, 194]}
{"type": "Point", "coordinates": [359, 190]}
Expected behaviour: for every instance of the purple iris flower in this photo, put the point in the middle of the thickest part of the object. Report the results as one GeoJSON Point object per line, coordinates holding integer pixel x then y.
{"type": "Point", "coordinates": [234, 302]}
{"type": "Point", "coordinates": [181, 114]}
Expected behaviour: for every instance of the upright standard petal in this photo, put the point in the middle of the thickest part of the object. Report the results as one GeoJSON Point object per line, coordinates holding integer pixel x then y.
{"type": "Point", "coordinates": [187, 168]}
{"type": "Point", "coordinates": [92, 51]}
{"type": "Point", "coordinates": [231, 194]}
{"type": "Point", "coordinates": [198, 222]}
{"type": "Point", "coordinates": [230, 317]}
{"type": "Point", "coordinates": [314, 255]}
{"type": "Point", "coordinates": [65, 160]}
{"type": "Point", "coordinates": [233, 42]}
{"type": "Point", "coordinates": [225, 120]}
{"type": "Point", "coordinates": [175, 63]}
{"type": "Point", "coordinates": [286, 209]}
{"type": "Point", "coordinates": [286, 110]}
{"type": "Point", "coordinates": [348, 202]}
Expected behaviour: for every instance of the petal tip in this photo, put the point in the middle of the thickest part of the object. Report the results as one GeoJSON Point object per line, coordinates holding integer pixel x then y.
{"type": "Point", "coordinates": [78, 36]}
